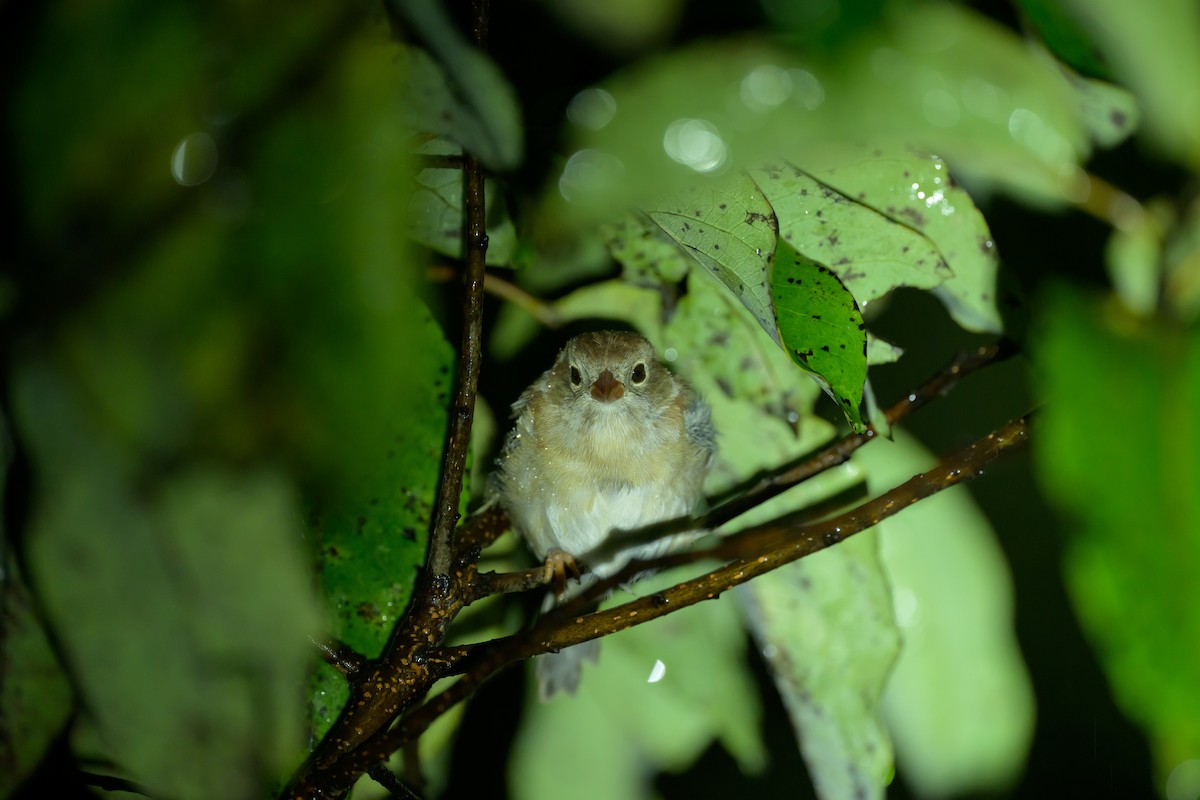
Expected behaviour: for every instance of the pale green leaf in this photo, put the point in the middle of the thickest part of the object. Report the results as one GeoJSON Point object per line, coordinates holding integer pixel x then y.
{"type": "Point", "coordinates": [647, 254]}
{"type": "Point", "coordinates": [717, 339]}
{"type": "Point", "coordinates": [881, 351]}
{"type": "Point", "coordinates": [871, 253]}
{"type": "Point", "coordinates": [915, 190]}
{"type": "Point", "coordinates": [631, 718]}
{"type": "Point", "coordinates": [1134, 258]}
{"type": "Point", "coordinates": [933, 75]}
{"type": "Point", "coordinates": [1182, 265]}
{"type": "Point", "coordinates": [436, 211]}
{"type": "Point", "coordinates": [1118, 450]}
{"type": "Point", "coordinates": [960, 662]}
{"type": "Point", "coordinates": [1110, 112]}
{"type": "Point", "coordinates": [822, 328]}
{"type": "Point", "coordinates": [825, 627]}
{"type": "Point", "coordinates": [730, 229]}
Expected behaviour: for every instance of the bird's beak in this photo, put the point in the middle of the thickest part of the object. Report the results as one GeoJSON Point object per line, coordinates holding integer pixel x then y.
{"type": "Point", "coordinates": [607, 388]}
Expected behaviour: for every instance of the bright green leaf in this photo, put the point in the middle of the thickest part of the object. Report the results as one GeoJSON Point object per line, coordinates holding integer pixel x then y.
{"type": "Point", "coordinates": [1118, 450]}
{"type": "Point", "coordinates": [960, 662]}
{"type": "Point", "coordinates": [730, 229]}
{"type": "Point", "coordinates": [822, 328]}
{"type": "Point", "coordinates": [372, 541]}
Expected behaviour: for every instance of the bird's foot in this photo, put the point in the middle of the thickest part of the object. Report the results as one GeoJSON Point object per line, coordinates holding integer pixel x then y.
{"type": "Point", "coordinates": [559, 564]}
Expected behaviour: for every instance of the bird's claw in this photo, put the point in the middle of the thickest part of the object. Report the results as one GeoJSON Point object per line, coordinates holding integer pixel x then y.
{"type": "Point", "coordinates": [558, 564]}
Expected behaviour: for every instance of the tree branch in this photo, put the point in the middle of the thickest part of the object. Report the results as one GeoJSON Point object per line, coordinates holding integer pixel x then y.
{"type": "Point", "coordinates": [463, 410]}
{"type": "Point", "coordinates": [755, 551]}
{"type": "Point", "coordinates": [828, 457]}
{"type": "Point", "coordinates": [405, 671]}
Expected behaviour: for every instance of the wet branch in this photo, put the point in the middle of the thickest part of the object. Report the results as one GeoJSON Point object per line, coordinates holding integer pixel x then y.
{"type": "Point", "coordinates": [754, 552]}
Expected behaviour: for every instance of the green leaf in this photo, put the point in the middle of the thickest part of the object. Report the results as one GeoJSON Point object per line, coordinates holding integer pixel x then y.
{"type": "Point", "coordinates": [461, 95]}
{"type": "Point", "coordinates": [649, 256]}
{"type": "Point", "coordinates": [934, 75]}
{"type": "Point", "coordinates": [173, 72]}
{"type": "Point", "coordinates": [1134, 258]}
{"type": "Point", "coordinates": [822, 328]}
{"type": "Point", "coordinates": [717, 339]}
{"type": "Point", "coordinates": [870, 253]}
{"type": "Point", "coordinates": [1110, 112]}
{"type": "Point", "coordinates": [826, 629]}
{"type": "Point", "coordinates": [34, 691]}
{"type": "Point", "coordinates": [1155, 52]}
{"type": "Point", "coordinates": [436, 218]}
{"type": "Point", "coordinates": [1063, 35]}
{"type": "Point", "coordinates": [1118, 450]}
{"type": "Point", "coordinates": [630, 717]}
{"type": "Point", "coordinates": [730, 229]}
{"type": "Point", "coordinates": [187, 614]}
{"type": "Point", "coordinates": [372, 540]}
{"type": "Point", "coordinates": [950, 81]}
{"type": "Point", "coordinates": [960, 662]}
{"type": "Point", "coordinates": [915, 190]}
{"type": "Point", "coordinates": [881, 351]}
{"type": "Point", "coordinates": [619, 26]}
{"type": "Point", "coordinates": [1182, 263]}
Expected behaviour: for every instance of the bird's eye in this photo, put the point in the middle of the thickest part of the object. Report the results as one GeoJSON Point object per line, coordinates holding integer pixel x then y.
{"type": "Point", "coordinates": [576, 378]}
{"type": "Point", "coordinates": [639, 373]}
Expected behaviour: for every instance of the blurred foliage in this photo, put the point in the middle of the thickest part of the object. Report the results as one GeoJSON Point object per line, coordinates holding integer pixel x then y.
{"type": "Point", "coordinates": [227, 382]}
{"type": "Point", "coordinates": [959, 662]}
{"type": "Point", "coordinates": [1132, 567]}
{"type": "Point", "coordinates": [663, 693]}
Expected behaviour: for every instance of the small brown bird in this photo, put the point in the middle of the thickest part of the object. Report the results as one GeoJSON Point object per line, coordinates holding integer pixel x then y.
{"type": "Point", "coordinates": [607, 439]}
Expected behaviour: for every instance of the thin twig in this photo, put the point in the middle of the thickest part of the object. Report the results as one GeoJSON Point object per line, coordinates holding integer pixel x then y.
{"type": "Point", "coordinates": [490, 583]}
{"type": "Point", "coordinates": [340, 656]}
{"type": "Point", "coordinates": [839, 452]}
{"type": "Point", "coordinates": [385, 778]}
{"type": "Point", "coordinates": [496, 286]}
{"type": "Point", "coordinates": [463, 410]}
{"type": "Point", "coordinates": [1112, 205]}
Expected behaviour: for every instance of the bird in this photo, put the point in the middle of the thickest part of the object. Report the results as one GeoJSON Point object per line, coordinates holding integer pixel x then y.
{"type": "Point", "coordinates": [606, 440]}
